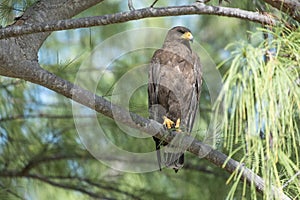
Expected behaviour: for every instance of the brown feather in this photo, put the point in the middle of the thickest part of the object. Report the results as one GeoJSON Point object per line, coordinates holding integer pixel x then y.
{"type": "Point", "coordinates": [174, 87]}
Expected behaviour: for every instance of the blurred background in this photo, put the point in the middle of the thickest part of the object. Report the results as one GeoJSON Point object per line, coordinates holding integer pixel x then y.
{"type": "Point", "coordinates": [38, 137]}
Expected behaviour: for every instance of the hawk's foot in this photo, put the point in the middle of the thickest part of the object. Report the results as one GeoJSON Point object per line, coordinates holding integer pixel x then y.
{"type": "Point", "coordinates": [171, 125]}
{"type": "Point", "coordinates": [177, 126]}
{"type": "Point", "coordinates": [168, 123]}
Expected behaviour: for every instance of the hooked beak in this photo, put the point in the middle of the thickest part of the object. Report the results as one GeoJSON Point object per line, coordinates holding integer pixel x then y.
{"type": "Point", "coordinates": [188, 36]}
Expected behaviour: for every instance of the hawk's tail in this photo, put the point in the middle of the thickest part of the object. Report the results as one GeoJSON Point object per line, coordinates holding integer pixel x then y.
{"type": "Point", "coordinates": [174, 160]}
{"type": "Point", "coordinates": [172, 156]}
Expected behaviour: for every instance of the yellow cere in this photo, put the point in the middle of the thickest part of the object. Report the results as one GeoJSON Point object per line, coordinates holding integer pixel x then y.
{"type": "Point", "coordinates": [187, 35]}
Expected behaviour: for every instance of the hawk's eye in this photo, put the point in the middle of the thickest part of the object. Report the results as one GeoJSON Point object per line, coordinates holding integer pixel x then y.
{"type": "Point", "coordinates": [181, 31]}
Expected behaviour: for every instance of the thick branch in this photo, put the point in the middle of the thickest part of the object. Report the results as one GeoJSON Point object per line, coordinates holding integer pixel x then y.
{"type": "Point", "coordinates": [291, 7]}
{"type": "Point", "coordinates": [197, 8]}
{"type": "Point", "coordinates": [151, 127]}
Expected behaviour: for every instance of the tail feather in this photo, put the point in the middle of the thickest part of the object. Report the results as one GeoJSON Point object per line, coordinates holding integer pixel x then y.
{"type": "Point", "coordinates": [180, 163]}
{"type": "Point", "coordinates": [172, 157]}
{"type": "Point", "coordinates": [174, 160]}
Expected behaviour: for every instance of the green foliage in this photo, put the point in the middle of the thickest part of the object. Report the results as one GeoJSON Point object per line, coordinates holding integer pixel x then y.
{"type": "Point", "coordinates": [261, 99]}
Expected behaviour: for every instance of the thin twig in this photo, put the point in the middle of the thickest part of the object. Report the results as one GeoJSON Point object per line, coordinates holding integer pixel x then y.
{"type": "Point", "coordinates": [152, 5]}
{"type": "Point", "coordinates": [67, 186]}
{"type": "Point", "coordinates": [130, 5]}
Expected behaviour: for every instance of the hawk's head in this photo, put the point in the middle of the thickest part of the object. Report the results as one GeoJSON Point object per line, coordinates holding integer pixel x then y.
{"type": "Point", "coordinates": [179, 34]}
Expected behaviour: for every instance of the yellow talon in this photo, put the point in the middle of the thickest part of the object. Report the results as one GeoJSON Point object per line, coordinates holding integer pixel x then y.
{"type": "Point", "coordinates": [167, 122]}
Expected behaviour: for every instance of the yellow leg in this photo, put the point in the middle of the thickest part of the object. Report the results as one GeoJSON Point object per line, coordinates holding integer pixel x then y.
{"type": "Point", "coordinates": [167, 122]}
{"type": "Point", "coordinates": [177, 126]}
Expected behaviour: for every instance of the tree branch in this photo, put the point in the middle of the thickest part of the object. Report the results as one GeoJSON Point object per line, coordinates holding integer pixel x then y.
{"type": "Point", "coordinates": [197, 8]}
{"type": "Point", "coordinates": [89, 182]}
{"type": "Point", "coordinates": [77, 186]}
{"type": "Point", "coordinates": [101, 105]}
{"type": "Point", "coordinates": [291, 7]}
{"type": "Point", "coordinates": [44, 179]}
{"type": "Point", "coordinates": [67, 186]}
{"type": "Point", "coordinates": [34, 162]}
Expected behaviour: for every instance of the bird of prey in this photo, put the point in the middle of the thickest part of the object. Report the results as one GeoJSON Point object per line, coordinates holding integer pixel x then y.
{"type": "Point", "coordinates": [175, 79]}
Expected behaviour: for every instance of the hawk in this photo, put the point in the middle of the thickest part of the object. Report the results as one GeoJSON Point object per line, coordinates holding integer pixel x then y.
{"type": "Point", "coordinates": [175, 79]}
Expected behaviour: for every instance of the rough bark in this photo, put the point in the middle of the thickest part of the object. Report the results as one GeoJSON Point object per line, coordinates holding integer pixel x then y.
{"type": "Point", "coordinates": [19, 54]}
